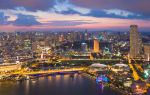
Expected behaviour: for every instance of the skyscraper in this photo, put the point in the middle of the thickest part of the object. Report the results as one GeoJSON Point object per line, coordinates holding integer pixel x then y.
{"type": "Point", "coordinates": [96, 45]}
{"type": "Point", "coordinates": [135, 42]}
{"type": "Point", "coordinates": [147, 52]}
{"type": "Point", "coordinates": [84, 47]}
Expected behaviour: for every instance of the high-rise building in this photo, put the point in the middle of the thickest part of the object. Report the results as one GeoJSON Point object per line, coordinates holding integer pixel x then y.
{"type": "Point", "coordinates": [84, 47]}
{"type": "Point", "coordinates": [96, 45]}
{"type": "Point", "coordinates": [135, 42]}
{"type": "Point", "coordinates": [1, 58]}
{"type": "Point", "coordinates": [147, 52]}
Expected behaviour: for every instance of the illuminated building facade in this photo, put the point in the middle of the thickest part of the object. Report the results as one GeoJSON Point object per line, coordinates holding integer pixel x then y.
{"type": "Point", "coordinates": [135, 42]}
{"type": "Point", "coordinates": [84, 47]}
{"type": "Point", "coordinates": [96, 45]}
{"type": "Point", "coordinates": [147, 52]}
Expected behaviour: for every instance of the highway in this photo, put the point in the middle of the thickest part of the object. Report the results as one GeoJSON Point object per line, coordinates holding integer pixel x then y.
{"type": "Point", "coordinates": [135, 74]}
{"type": "Point", "coordinates": [49, 71]}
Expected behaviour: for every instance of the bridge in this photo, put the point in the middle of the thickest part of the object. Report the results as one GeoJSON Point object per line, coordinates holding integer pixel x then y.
{"type": "Point", "coordinates": [50, 71]}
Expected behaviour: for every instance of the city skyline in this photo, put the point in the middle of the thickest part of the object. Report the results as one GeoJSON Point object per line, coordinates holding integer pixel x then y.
{"type": "Point", "coordinates": [114, 63]}
{"type": "Point", "coordinates": [16, 15]}
{"type": "Point", "coordinates": [74, 47]}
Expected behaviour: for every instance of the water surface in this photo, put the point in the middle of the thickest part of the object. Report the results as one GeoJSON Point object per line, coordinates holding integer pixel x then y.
{"type": "Point", "coordinates": [56, 85]}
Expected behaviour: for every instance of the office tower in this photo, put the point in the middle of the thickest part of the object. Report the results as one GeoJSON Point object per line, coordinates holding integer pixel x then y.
{"type": "Point", "coordinates": [147, 52]}
{"type": "Point", "coordinates": [1, 58]}
{"type": "Point", "coordinates": [84, 47]}
{"type": "Point", "coordinates": [96, 45]}
{"type": "Point", "coordinates": [135, 42]}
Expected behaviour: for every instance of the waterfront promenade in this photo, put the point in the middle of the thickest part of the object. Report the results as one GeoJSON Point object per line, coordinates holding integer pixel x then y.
{"type": "Point", "coordinates": [8, 67]}
{"type": "Point", "coordinates": [49, 71]}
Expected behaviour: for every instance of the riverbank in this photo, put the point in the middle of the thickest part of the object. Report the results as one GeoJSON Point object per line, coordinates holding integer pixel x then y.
{"type": "Point", "coordinates": [24, 75]}
{"type": "Point", "coordinates": [33, 76]}
{"type": "Point", "coordinates": [62, 84]}
{"type": "Point", "coordinates": [70, 73]}
{"type": "Point", "coordinates": [21, 76]}
{"type": "Point", "coordinates": [122, 90]}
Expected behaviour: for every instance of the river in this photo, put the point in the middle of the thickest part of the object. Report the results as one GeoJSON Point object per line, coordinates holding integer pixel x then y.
{"type": "Point", "coordinates": [56, 85]}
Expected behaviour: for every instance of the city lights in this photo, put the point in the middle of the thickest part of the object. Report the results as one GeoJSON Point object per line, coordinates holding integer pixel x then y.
{"type": "Point", "coordinates": [74, 47]}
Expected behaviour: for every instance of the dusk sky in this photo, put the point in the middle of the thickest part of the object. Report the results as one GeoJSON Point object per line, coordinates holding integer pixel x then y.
{"type": "Point", "coordinates": [74, 14]}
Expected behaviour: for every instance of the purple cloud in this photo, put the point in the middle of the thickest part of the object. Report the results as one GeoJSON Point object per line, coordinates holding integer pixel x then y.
{"type": "Point", "coordinates": [79, 6]}
{"type": "Point", "coordinates": [28, 4]}
{"type": "Point", "coordinates": [136, 6]}
{"type": "Point", "coordinates": [25, 20]}
{"type": "Point", "coordinates": [3, 19]}
{"type": "Point", "coordinates": [69, 23]}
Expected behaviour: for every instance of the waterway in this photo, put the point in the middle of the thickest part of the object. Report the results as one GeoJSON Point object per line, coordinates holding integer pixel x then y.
{"type": "Point", "coordinates": [56, 85]}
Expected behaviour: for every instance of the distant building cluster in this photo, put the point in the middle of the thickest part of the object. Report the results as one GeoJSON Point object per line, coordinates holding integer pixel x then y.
{"type": "Point", "coordinates": [25, 46]}
{"type": "Point", "coordinates": [29, 46]}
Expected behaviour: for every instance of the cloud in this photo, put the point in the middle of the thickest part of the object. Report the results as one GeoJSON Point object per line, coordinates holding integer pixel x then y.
{"type": "Point", "coordinates": [135, 6]}
{"type": "Point", "coordinates": [64, 6]}
{"type": "Point", "coordinates": [116, 13]}
{"type": "Point", "coordinates": [3, 18]}
{"type": "Point", "coordinates": [67, 7]}
{"type": "Point", "coordinates": [48, 14]}
{"type": "Point", "coordinates": [28, 4]}
{"type": "Point", "coordinates": [83, 7]}
{"type": "Point", "coordinates": [69, 23]}
{"type": "Point", "coordinates": [26, 20]}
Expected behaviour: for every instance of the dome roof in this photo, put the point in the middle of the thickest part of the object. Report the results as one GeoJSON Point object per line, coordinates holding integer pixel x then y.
{"type": "Point", "coordinates": [121, 65]}
{"type": "Point", "coordinates": [98, 65]}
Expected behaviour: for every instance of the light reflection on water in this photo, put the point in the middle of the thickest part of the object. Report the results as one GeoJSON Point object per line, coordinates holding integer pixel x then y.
{"type": "Point", "coordinates": [56, 85]}
{"type": "Point", "coordinates": [27, 87]}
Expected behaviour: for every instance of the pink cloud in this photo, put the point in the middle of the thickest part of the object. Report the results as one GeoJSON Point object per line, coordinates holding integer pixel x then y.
{"type": "Point", "coordinates": [101, 23]}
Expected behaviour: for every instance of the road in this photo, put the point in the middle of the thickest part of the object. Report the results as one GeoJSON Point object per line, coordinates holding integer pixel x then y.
{"type": "Point", "coordinates": [90, 60]}
{"type": "Point", "coordinates": [49, 71]}
{"type": "Point", "coordinates": [135, 74]}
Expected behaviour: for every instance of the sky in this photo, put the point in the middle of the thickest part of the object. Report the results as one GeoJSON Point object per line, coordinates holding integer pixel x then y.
{"type": "Point", "coordinates": [117, 15]}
